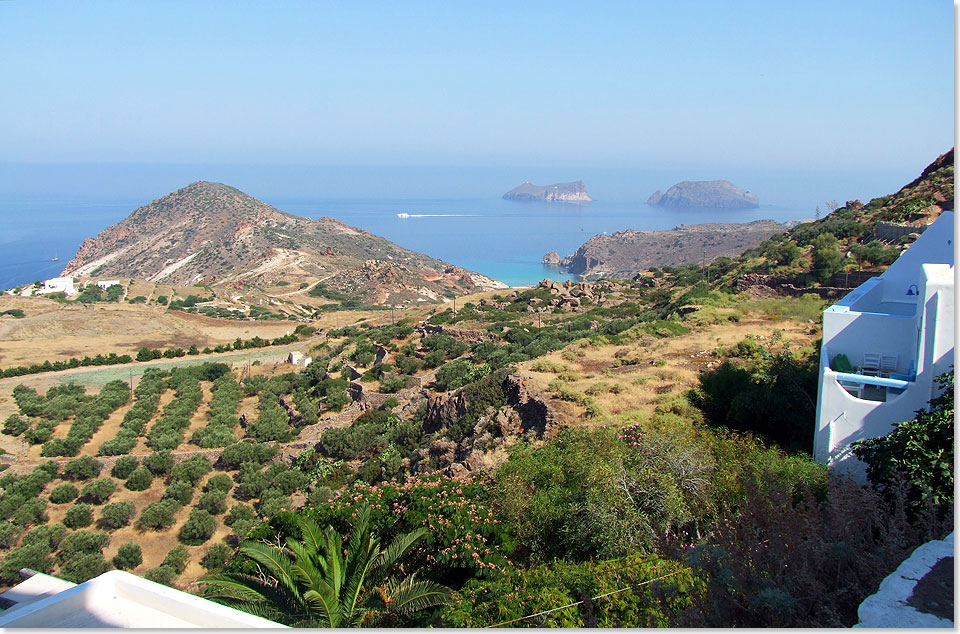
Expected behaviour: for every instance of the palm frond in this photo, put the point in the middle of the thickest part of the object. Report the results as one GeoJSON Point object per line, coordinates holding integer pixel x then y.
{"type": "Point", "coordinates": [412, 594]}
{"type": "Point", "coordinates": [394, 552]}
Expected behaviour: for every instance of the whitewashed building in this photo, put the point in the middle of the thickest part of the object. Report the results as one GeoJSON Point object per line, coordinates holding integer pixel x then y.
{"type": "Point", "coordinates": [893, 334]}
{"type": "Point", "coordinates": [114, 599]}
{"type": "Point", "coordinates": [59, 285]}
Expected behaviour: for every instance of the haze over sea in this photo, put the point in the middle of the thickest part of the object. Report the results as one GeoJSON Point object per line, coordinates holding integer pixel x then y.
{"type": "Point", "coordinates": [49, 210]}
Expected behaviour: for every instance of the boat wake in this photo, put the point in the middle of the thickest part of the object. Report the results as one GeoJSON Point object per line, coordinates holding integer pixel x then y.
{"type": "Point", "coordinates": [404, 215]}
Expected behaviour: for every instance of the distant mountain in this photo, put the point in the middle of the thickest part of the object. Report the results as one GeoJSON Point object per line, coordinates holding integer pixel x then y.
{"type": "Point", "coordinates": [210, 233]}
{"type": "Point", "coordinates": [627, 252]}
{"type": "Point", "coordinates": [708, 194]}
{"type": "Point", "coordinates": [574, 192]}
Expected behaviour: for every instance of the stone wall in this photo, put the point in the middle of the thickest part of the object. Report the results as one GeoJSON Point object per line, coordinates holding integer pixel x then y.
{"type": "Point", "coordinates": [893, 231]}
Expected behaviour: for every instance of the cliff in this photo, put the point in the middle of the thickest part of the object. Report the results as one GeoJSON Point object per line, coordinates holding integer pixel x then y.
{"type": "Point", "coordinates": [706, 194]}
{"type": "Point", "coordinates": [574, 192]}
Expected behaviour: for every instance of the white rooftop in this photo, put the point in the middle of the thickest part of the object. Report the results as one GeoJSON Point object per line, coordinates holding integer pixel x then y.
{"type": "Point", "coordinates": [116, 599]}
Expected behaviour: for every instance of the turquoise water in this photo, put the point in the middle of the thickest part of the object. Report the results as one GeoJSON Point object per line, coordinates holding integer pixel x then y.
{"type": "Point", "coordinates": [502, 239]}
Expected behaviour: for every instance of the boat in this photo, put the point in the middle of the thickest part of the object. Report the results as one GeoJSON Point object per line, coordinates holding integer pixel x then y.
{"type": "Point", "coordinates": [403, 215]}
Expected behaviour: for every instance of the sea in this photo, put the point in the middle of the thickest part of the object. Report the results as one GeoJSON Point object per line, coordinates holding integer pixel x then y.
{"type": "Point", "coordinates": [503, 239]}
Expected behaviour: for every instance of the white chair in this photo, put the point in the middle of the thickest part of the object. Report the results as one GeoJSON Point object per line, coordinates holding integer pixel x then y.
{"type": "Point", "coordinates": [871, 364]}
{"type": "Point", "coordinates": [888, 363]}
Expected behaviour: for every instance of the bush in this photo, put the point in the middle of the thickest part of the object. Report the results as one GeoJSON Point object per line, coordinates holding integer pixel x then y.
{"type": "Point", "coordinates": [246, 451]}
{"type": "Point", "coordinates": [128, 556]}
{"type": "Point", "coordinates": [161, 574]}
{"type": "Point", "coordinates": [140, 479]}
{"type": "Point", "coordinates": [179, 491]}
{"type": "Point", "coordinates": [78, 516]}
{"type": "Point", "coordinates": [159, 462]}
{"type": "Point", "coordinates": [64, 493]}
{"type": "Point", "coordinates": [216, 557]}
{"type": "Point", "coordinates": [98, 491]}
{"type": "Point", "coordinates": [214, 502]}
{"type": "Point", "coordinates": [124, 466]}
{"type": "Point", "coordinates": [15, 425]}
{"type": "Point", "coordinates": [177, 558]}
{"type": "Point", "coordinates": [82, 468]}
{"type": "Point", "coordinates": [920, 451]}
{"type": "Point", "coordinates": [158, 515]}
{"type": "Point", "coordinates": [240, 513]}
{"type": "Point", "coordinates": [219, 482]}
{"type": "Point", "coordinates": [191, 470]}
{"type": "Point", "coordinates": [198, 528]}
{"type": "Point", "coordinates": [116, 515]}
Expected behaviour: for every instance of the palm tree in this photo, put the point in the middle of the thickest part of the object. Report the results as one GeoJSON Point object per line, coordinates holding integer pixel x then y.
{"type": "Point", "coordinates": [317, 583]}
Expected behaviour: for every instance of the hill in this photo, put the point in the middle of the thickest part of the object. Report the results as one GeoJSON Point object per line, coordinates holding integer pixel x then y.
{"type": "Point", "coordinates": [706, 194]}
{"type": "Point", "coordinates": [214, 234]}
{"type": "Point", "coordinates": [625, 253]}
{"type": "Point", "coordinates": [574, 192]}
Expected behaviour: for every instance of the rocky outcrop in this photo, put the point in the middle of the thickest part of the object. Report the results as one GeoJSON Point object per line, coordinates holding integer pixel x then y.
{"type": "Point", "coordinates": [625, 253]}
{"type": "Point", "coordinates": [574, 192]}
{"type": "Point", "coordinates": [705, 194]}
{"type": "Point", "coordinates": [551, 259]}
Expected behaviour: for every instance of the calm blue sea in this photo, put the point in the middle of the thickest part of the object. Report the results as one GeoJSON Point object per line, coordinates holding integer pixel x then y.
{"type": "Point", "coordinates": [503, 239]}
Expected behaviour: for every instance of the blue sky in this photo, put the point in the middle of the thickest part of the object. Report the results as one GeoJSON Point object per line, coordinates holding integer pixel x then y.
{"type": "Point", "coordinates": [811, 85]}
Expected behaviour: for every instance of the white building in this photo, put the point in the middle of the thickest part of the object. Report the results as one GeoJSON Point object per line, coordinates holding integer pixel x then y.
{"type": "Point", "coordinates": [108, 283]}
{"type": "Point", "coordinates": [59, 285]}
{"type": "Point", "coordinates": [115, 599]}
{"type": "Point", "coordinates": [896, 332]}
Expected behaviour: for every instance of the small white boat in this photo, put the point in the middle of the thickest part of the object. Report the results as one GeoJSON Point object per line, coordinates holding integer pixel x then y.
{"type": "Point", "coordinates": [403, 215]}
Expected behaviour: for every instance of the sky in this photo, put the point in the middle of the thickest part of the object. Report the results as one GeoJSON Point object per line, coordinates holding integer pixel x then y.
{"type": "Point", "coordinates": [550, 87]}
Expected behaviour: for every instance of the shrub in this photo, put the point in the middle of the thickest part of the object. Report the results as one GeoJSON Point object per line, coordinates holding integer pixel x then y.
{"type": "Point", "coordinates": [216, 557]}
{"type": "Point", "coordinates": [198, 528]}
{"type": "Point", "coordinates": [159, 462]}
{"type": "Point", "coordinates": [15, 425]}
{"type": "Point", "coordinates": [98, 491]}
{"type": "Point", "coordinates": [64, 493]}
{"type": "Point", "coordinates": [82, 468]}
{"type": "Point", "coordinates": [161, 574]}
{"type": "Point", "coordinates": [240, 513]}
{"type": "Point", "coordinates": [124, 466]}
{"type": "Point", "coordinates": [246, 451]}
{"type": "Point", "coordinates": [140, 479]}
{"type": "Point", "coordinates": [177, 558]}
{"type": "Point", "coordinates": [116, 515]}
{"type": "Point", "coordinates": [191, 470]}
{"type": "Point", "coordinates": [214, 502]}
{"type": "Point", "coordinates": [219, 482]}
{"type": "Point", "coordinates": [179, 491]}
{"type": "Point", "coordinates": [920, 450]}
{"type": "Point", "coordinates": [128, 556]}
{"type": "Point", "coordinates": [158, 515]}
{"type": "Point", "coordinates": [78, 516]}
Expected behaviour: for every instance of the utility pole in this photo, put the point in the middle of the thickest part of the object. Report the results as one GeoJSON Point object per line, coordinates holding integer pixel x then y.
{"type": "Point", "coordinates": [703, 263]}
{"type": "Point", "coordinates": [454, 306]}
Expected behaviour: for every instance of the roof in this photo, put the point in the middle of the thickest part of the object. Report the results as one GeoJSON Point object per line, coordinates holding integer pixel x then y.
{"type": "Point", "coordinates": [116, 599]}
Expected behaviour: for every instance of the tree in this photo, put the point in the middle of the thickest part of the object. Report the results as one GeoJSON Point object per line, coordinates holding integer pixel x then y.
{"type": "Point", "coordinates": [78, 516]}
{"type": "Point", "coordinates": [827, 260]}
{"type": "Point", "coordinates": [116, 515]}
{"type": "Point", "coordinates": [64, 493]}
{"type": "Point", "coordinates": [198, 527]}
{"type": "Point", "coordinates": [98, 491]}
{"type": "Point", "coordinates": [140, 479]}
{"type": "Point", "coordinates": [82, 468]}
{"type": "Point", "coordinates": [310, 582]}
{"type": "Point", "coordinates": [124, 466]}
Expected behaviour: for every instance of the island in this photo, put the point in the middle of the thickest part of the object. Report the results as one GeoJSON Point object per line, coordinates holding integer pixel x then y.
{"type": "Point", "coordinates": [574, 192]}
{"type": "Point", "coordinates": [705, 194]}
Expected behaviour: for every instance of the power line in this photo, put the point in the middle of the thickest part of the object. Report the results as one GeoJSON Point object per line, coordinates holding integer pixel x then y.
{"type": "Point", "coordinates": [570, 605]}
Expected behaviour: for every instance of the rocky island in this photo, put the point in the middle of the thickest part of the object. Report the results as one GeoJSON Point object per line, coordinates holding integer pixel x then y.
{"type": "Point", "coordinates": [574, 192]}
{"type": "Point", "coordinates": [705, 194]}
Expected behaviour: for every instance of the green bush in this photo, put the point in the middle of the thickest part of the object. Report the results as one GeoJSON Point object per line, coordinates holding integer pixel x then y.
{"type": "Point", "coordinates": [177, 558]}
{"type": "Point", "coordinates": [246, 451]}
{"type": "Point", "coordinates": [64, 493]}
{"type": "Point", "coordinates": [920, 450]}
{"type": "Point", "coordinates": [161, 574]}
{"type": "Point", "coordinates": [78, 516]}
{"type": "Point", "coordinates": [214, 502]}
{"type": "Point", "coordinates": [180, 491]}
{"type": "Point", "coordinates": [98, 491]}
{"type": "Point", "coordinates": [14, 425]}
{"type": "Point", "coordinates": [159, 462]}
{"type": "Point", "coordinates": [158, 515]}
{"type": "Point", "coordinates": [191, 470]}
{"type": "Point", "coordinates": [128, 556]}
{"type": "Point", "coordinates": [116, 515]}
{"type": "Point", "coordinates": [219, 482]}
{"type": "Point", "coordinates": [124, 466]}
{"type": "Point", "coordinates": [198, 528]}
{"type": "Point", "coordinates": [216, 557]}
{"type": "Point", "coordinates": [140, 479]}
{"type": "Point", "coordinates": [82, 468]}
